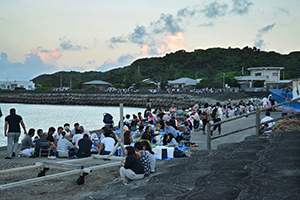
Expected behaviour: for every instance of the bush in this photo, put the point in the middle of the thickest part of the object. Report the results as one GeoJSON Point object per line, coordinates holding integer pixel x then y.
{"type": "Point", "coordinates": [19, 88]}
{"type": "Point", "coordinates": [92, 88]}
{"type": "Point", "coordinates": [39, 88]}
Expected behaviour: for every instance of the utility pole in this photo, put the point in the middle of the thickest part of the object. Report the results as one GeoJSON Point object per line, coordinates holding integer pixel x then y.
{"type": "Point", "coordinates": [60, 81]}
{"type": "Point", "coordinates": [196, 79]}
{"type": "Point", "coordinates": [223, 80]}
{"type": "Point", "coordinates": [70, 82]}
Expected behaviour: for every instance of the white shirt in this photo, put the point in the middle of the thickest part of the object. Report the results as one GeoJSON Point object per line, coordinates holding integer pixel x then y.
{"type": "Point", "coordinates": [64, 145]}
{"type": "Point", "coordinates": [76, 138]}
{"type": "Point", "coordinates": [265, 100]}
{"type": "Point", "coordinates": [58, 136]}
{"type": "Point", "coordinates": [109, 143]}
{"type": "Point", "coordinates": [268, 118]}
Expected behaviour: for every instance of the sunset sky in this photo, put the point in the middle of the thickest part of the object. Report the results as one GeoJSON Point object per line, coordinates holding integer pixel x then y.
{"type": "Point", "coordinates": [40, 36]}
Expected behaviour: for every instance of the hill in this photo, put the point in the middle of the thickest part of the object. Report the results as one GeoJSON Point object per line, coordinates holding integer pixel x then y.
{"type": "Point", "coordinates": [209, 64]}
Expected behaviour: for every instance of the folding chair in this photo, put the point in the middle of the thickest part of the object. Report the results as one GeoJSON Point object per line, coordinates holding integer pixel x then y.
{"type": "Point", "coordinates": [45, 149]}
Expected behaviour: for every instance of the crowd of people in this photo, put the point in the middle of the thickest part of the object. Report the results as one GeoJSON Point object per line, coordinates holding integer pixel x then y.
{"type": "Point", "coordinates": [140, 133]}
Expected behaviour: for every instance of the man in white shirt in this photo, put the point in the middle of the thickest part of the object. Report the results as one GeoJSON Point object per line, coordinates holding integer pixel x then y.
{"type": "Point", "coordinates": [76, 138]}
{"type": "Point", "coordinates": [216, 116]}
{"type": "Point", "coordinates": [265, 102]}
{"type": "Point", "coordinates": [107, 144]}
{"type": "Point", "coordinates": [64, 144]}
{"type": "Point", "coordinates": [270, 124]}
{"type": "Point", "coordinates": [58, 135]}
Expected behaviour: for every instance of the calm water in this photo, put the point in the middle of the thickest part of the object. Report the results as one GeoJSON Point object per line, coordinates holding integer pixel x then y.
{"type": "Point", "coordinates": [44, 116]}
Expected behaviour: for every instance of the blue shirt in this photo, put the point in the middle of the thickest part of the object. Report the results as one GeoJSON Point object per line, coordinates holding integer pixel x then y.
{"type": "Point", "coordinates": [172, 130]}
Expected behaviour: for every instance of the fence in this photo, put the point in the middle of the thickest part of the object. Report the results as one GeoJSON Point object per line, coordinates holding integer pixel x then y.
{"type": "Point", "coordinates": [257, 124]}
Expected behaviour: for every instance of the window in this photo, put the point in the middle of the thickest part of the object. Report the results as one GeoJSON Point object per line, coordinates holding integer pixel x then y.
{"type": "Point", "coordinates": [275, 74]}
{"type": "Point", "coordinates": [257, 74]}
{"type": "Point", "coordinates": [267, 77]}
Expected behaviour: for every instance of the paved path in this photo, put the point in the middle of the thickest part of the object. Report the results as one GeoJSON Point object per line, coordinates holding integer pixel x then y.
{"type": "Point", "coordinates": [200, 139]}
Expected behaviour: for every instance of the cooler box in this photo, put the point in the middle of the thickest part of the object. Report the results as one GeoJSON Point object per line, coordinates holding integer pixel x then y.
{"type": "Point", "coordinates": [160, 152]}
{"type": "Point", "coordinates": [170, 152]}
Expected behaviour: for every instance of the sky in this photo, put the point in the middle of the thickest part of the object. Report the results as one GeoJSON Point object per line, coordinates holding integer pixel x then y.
{"type": "Point", "coordinates": [46, 36]}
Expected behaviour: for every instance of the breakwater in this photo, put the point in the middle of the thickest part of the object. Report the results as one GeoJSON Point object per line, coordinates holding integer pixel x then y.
{"type": "Point", "coordinates": [130, 100]}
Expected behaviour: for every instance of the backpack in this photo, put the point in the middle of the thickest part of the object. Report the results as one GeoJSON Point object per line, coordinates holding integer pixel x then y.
{"type": "Point", "coordinates": [215, 113]}
{"type": "Point", "coordinates": [204, 115]}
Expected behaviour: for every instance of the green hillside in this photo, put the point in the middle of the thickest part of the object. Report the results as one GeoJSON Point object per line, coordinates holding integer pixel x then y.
{"type": "Point", "coordinates": [208, 64]}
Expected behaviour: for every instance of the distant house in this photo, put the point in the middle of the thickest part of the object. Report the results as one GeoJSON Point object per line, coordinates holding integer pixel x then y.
{"type": "Point", "coordinates": [99, 83]}
{"type": "Point", "coordinates": [184, 82]}
{"type": "Point", "coordinates": [149, 80]}
{"type": "Point", "coordinates": [11, 85]}
{"type": "Point", "coordinates": [266, 74]}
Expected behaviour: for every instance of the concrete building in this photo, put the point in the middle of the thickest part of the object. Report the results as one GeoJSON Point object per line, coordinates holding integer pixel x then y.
{"type": "Point", "coordinates": [11, 85]}
{"type": "Point", "coordinates": [266, 74]}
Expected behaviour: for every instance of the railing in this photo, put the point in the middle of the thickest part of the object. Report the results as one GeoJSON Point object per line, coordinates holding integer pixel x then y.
{"type": "Point", "coordinates": [256, 126]}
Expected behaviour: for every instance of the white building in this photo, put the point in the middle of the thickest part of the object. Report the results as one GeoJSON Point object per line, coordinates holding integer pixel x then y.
{"type": "Point", "coordinates": [11, 85]}
{"type": "Point", "coordinates": [266, 74]}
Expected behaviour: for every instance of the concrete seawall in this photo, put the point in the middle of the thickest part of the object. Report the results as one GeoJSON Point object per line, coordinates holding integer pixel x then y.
{"type": "Point", "coordinates": [113, 99]}
{"type": "Point", "coordinates": [130, 100]}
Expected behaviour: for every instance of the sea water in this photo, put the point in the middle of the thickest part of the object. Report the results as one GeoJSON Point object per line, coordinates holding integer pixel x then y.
{"type": "Point", "coordinates": [40, 116]}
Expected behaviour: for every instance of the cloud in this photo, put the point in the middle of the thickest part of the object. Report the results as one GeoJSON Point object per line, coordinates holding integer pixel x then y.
{"type": "Point", "coordinates": [138, 35]}
{"type": "Point", "coordinates": [264, 30]}
{"type": "Point", "coordinates": [67, 45]}
{"type": "Point", "coordinates": [206, 24]}
{"type": "Point", "coordinates": [280, 10]}
{"type": "Point", "coordinates": [260, 44]}
{"type": "Point", "coordinates": [32, 67]}
{"type": "Point", "coordinates": [241, 6]}
{"type": "Point", "coordinates": [173, 42]}
{"type": "Point", "coordinates": [91, 62]}
{"type": "Point", "coordinates": [215, 9]}
{"type": "Point", "coordinates": [166, 23]}
{"type": "Point", "coordinates": [122, 61]}
{"type": "Point", "coordinates": [48, 57]}
{"type": "Point", "coordinates": [185, 12]}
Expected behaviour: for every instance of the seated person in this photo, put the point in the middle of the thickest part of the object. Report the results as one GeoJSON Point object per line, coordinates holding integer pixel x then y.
{"type": "Point", "coordinates": [27, 146]}
{"type": "Point", "coordinates": [58, 135]}
{"type": "Point", "coordinates": [148, 150]}
{"type": "Point", "coordinates": [127, 138]}
{"type": "Point", "coordinates": [108, 120]}
{"type": "Point", "coordinates": [50, 139]}
{"type": "Point", "coordinates": [85, 145]}
{"type": "Point", "coordinates": [134, 123]}
{"type": "Point", "coordinates": [144, 158]}
{"type": "Point", "coordinates": [65, 145]}
{"type": "Point", "coordinates": [270, 124]}
{"type": "Point", "coordinates": [39, 133]}
{"type": "Point", "coordinates": [132, 168]}
{"type": "Point", "coordinates": [76, 138]}
{"type": "Point", "coordinates": [43, 138]}
{"type": "Point", "coordinates": [170, 129]}
{"type": "Point", "coordinates": [138, 134]}
{"type": "Point", "coordinates": [107, 144]}
{"type": "Point", "coordinates": [83, 131]}
{"type": "Point", "coordinates": [173, 122]}
{"type": "Point", "coordinates": [67, 130]}
{"type": "Point", "coordinates": [172, 142]}
{"type": "Point", "coordinates": [185, 135]}
{"type": "Point", "coordinates": [127, 121]}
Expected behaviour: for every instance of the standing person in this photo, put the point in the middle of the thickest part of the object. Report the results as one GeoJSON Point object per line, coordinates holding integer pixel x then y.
{"type": "Point", "coordinates": [265, 102]}
{"type": "Point", "coordinates": [13, 122]}
{"type": "Point", "coordinates": [205, 115]}
{"type": "Point", "coordinates": [217, 113]}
